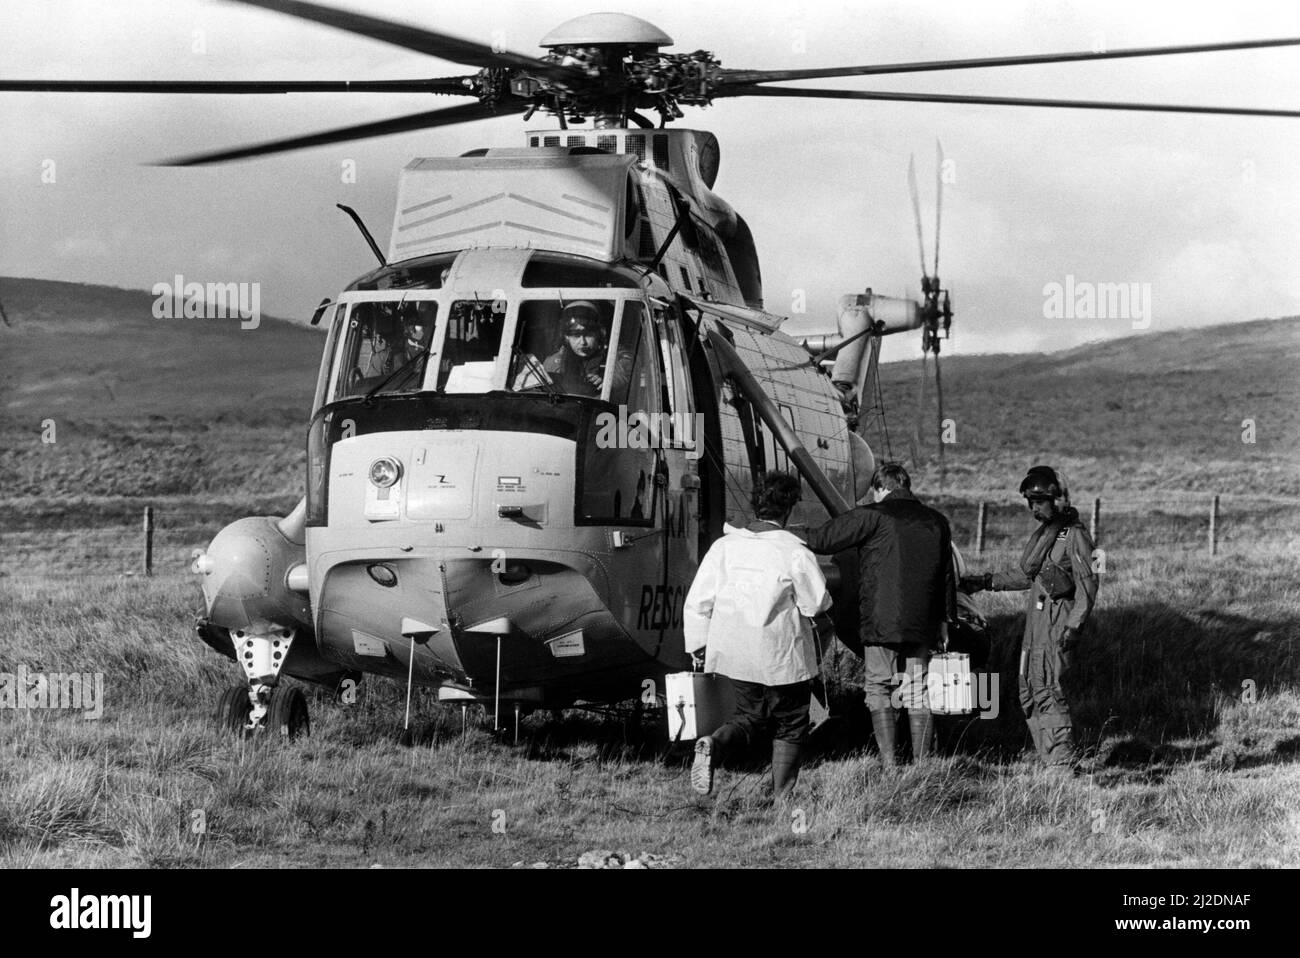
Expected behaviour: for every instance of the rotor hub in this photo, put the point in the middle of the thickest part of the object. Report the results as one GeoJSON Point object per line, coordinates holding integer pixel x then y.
{"type": "Point", "coordinates": [607, 29]}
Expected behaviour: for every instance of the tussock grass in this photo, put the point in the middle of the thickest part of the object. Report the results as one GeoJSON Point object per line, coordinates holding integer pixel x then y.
{"type": "Point", "coordinates": [1181, 767]}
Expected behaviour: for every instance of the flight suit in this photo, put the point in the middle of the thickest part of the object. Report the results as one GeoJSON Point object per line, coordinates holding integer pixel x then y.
{"type": "Point", "coordinates": [1044, 665]}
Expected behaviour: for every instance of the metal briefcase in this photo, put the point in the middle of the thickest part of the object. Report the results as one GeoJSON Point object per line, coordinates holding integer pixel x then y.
{"type": "Point", "coordinates": [950, 684]}
{"type": "Point", "coordinates": [699, 703]}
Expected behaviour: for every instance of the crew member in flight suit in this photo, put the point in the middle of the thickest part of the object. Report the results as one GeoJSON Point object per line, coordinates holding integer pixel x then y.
{"type": "Point", "coordinates": [1056, 569]}
{"type": "Point", "coordinates": [578, 366]}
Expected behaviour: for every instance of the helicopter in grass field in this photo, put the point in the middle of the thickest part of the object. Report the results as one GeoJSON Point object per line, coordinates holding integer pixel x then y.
{"type": "Point", "coordinates": [534, 414]}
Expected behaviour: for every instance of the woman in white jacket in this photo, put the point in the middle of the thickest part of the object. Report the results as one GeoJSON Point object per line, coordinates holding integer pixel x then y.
{"type": "Point", "coordinates": [748, 612]}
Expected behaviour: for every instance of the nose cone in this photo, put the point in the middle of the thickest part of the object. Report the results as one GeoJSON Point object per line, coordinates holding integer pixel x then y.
{"type": "Point", "coordinates": [595, 29]}
{"type": "Point", "coordinates": [244, 575]}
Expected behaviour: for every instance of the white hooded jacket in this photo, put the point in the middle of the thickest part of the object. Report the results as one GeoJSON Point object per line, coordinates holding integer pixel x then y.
{"type": "Point", "coordinates": [750, 604]}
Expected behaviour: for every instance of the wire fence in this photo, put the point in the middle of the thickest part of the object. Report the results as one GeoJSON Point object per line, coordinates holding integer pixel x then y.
{"type": "Point", "coordinates": [1209, 523]}
{"type": "Point", "coordinates": [127, 537]}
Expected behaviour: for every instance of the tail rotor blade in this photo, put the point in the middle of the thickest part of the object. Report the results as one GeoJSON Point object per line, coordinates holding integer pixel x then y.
{"type": "Point", "coordinates": [918, 429]}
{"type": "Point", "coordinates": [938, 395]}
{"type": "Point", "coordinates": [938, 201]}
{"type": "Point", "coordinates": [916, 209]}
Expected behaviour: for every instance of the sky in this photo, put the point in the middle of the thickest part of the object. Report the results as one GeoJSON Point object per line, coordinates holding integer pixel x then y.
{"type": "Point", "coordinates": [1201, 212]}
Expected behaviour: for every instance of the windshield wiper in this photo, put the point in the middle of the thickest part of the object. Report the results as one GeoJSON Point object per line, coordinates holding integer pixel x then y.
{"type": "Point", "coordinates": [425, 351]}
{"type": "Point", "coordinates": [537, 369]}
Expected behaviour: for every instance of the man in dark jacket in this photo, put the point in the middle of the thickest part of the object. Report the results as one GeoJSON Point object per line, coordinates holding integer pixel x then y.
{"type": "Point", "coordinates": [1056, 568]}
{"type": "Point", "coordinates": [906, 595]}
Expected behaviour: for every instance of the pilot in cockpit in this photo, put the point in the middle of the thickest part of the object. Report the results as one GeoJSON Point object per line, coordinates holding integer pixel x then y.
{"type": "Point", "coordinates": [578, 365]}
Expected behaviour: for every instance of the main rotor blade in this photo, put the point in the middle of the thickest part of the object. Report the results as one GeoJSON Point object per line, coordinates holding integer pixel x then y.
{"type": "Point", "coordinates": [415, 38]}
{"type": "Point", "coordinates": [447, 116]}
{"type": "Point", "coordinates": [789, 91]}
{"type": "Point", "coordinates": [916, 210]}
{"type": "Point", "coordinates": [448, 85]}
{"type": "Point", "coordinates": [741, 77]}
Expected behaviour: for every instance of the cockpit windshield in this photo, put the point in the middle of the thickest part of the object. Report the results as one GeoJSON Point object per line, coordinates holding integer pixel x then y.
{"type": "Point", "coordinates": [386, 347]}
{"type": "Point", "coordinates": [583, 344]}
{"type": "Point", "coordinates": [468, 356]}
{"type": "Point", "coordinates": [565, 346]}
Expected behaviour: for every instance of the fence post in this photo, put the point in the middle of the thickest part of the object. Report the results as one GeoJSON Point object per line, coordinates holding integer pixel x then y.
{"type": "Point", "coordinates": [1095, 525]}
{"type": "Point", "coordinates": [1214, 525]}
{"type": "Point", "coordinates": [148, 540]}
{"type": "Point", "coordinates": [980, 522]}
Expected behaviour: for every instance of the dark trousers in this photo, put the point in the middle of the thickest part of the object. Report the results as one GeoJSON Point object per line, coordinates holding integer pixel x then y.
{"type": "Point", "coordinates": [782, 707]}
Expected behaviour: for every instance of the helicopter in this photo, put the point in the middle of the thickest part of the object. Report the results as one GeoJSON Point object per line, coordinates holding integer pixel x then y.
{"type": "Point", "coordinates": [476, 520]}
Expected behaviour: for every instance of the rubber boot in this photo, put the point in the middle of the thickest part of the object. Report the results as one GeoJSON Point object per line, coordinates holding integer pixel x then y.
{"type": "Point", "coordinates": [921, 722]}
{"type": "Point", "coordinates": [709, 752]}
{"type": "Point", "coordinates": [785, 767]}
{"type": "Point", "coordinates": [726, 740]}
{"type": "Point", "coordinates": [884, 723]}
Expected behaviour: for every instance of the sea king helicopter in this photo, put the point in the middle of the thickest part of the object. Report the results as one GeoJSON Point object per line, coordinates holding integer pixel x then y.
{"type": "Point", "coordinates": [492, 516]}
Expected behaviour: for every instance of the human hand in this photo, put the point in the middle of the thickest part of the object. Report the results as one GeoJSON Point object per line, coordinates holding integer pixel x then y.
{"type": "Point", "coordinates": [697, 659]}
{"type": "Point", "coordinates": [970, 584]}
{"type": "Point", "coordinates": [1069, 639]}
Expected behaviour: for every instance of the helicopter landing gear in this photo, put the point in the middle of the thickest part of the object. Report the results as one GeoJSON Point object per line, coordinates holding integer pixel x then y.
{"type": "Point", "coordinates": [287, 715]}
{"type": "Point", "coordinates": [233, 710]}
{"type": "Point", "coordinates": [261, 650]}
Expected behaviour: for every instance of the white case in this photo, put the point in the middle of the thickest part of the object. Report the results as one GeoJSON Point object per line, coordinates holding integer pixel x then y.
{"type": "Point", "coordinates": [950, 684]}
{"type": "Point", "coordinates": [698, 704]}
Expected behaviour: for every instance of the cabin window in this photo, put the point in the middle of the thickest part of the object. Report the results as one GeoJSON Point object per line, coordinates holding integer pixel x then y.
{"type": "Point", "coordinates": [385, 348]}
{"type": "Point", "coordinates": [674, 347]}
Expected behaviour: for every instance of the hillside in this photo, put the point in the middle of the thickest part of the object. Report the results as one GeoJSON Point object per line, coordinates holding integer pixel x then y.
{"type": "Point", "coordinates": [145, 406]}
{"type": "Point", "coordinates": [98, 352]}
{"type": "Point", "coordinates": [1160, 411]}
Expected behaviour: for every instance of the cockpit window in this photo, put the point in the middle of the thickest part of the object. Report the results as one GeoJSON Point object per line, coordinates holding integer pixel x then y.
{"type": "Point", "coordinates": [469, 352]}
{"type": "Point", "coordinates": [565, 346]}
{"type": "Point", "coordinates": [386, 347]}
{"type": "Point", "coordinates": [545, 272]}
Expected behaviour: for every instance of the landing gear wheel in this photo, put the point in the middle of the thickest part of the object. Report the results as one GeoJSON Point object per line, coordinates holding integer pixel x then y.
{"type": "Point", "coordinates": [287, 715]}
{"type": "Point", "coordinates": [233, 710]}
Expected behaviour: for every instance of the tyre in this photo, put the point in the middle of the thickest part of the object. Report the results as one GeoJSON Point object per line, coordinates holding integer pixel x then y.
{"type": "Point", "coordinates": [233, 710]}
{"type": "Point", "coordinates": [287, 716]}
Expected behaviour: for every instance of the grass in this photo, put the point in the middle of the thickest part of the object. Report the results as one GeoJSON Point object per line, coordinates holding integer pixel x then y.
{"type": "Point", "coordinates": [1183, 766]}
{"type": "Point", "coordinates": [1180, 770]}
